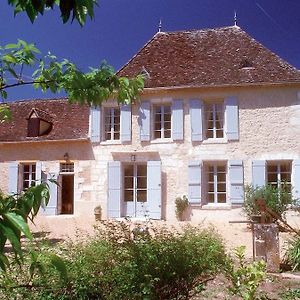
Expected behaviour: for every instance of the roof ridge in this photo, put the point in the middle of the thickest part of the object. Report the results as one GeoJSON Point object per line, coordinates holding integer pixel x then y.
{"type": "Point", "coordinates": [36, 100]}
{"type": "Point", "coordinates": [204, 29]}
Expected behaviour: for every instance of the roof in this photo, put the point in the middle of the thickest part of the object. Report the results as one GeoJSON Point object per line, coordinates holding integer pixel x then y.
{"type": "Point", "coordinates": [222, 56]}
{"type": "Point", "coordinates": [70, 121]}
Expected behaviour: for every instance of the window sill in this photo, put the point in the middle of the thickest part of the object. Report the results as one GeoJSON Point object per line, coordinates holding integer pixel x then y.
{"type": "Point", "coordinates": [215, 141]}
{"type": "Point", "coordinates": [216, 206]}
{"type": "Point", "coordinates": [111, 142]}
{"type": "Point", "coordinates": [162, 141]}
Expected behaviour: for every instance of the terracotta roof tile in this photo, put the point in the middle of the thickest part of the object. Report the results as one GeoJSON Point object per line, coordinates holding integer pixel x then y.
{"type": "Point", "coordinates": [223, 56]}
{"type": "Point", "coordinates": [70, 121]}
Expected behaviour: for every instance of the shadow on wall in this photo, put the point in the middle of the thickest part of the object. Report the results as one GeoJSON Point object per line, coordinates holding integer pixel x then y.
{"type": "Point", "coordinates": [164, 184]}
{"type": "Point", "coordinates": [47, 151]}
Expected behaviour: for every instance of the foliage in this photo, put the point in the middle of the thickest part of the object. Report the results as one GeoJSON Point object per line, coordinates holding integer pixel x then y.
{"type": "Point", "coordinates": [291, 294]}
{"type": "Point", "coordinates": [279, 200]}
{"type": "Point", "coordinates": [78, 9]}
{"type": "Point", "coordinates": [181, 204]}
{"type": "Point", "coordinates": [92, 87]}
{"type": "Point", "coordinates": [153, 263]}
{"type": "Point", "coordinates": [15, 210]}
{"type": "Point", "coordinates": [292, 255]}
{"type": "Point", "coordinates": [245, 278]}
{"type": "Point", "coordinates": [5, 113]}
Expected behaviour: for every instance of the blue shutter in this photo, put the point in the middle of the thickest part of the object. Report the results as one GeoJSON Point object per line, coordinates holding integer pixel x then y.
{"type": "Point", "coordinates": [236, 181]}
{"type": "Point", "coordinates": [144, 121]}
{"type": "Point", "coordinates": [177, 120]}
{"type": "Point", "coordinates": [38, 172]}
{"type": "Point", "coordinates": [154, 189]}
{"type": "Point", "coordinates": [194, 175]}
{"type": "Point", "coordinates": [51, 208]}
{"type": "Point", "coordinates": [13, 174]}
{"type": "Point", "coordinates": [296, 180]}
{"type": "Point", "coordinates": [126, 123]}
{"type": "Point", "coordinates": [95, 130]}
{"type": "Point", "coordinates": [258, 173]}
{"type": "Point", "coordinates": [196, 111]}
{"type": "Point", "coordinates": [114, 189]}
{"type": "Point", "coordinates": [232, 118]}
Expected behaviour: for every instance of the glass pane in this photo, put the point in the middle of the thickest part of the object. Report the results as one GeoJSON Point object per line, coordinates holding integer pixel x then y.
{"type": "Point", "coordinates": [128, 197]}
{"type": "Point", "coordinates": [142, 170]}
{"type": "Point", "coordinates": [117, 136]}
{"type": "Point", "coordinates": [107, 135]}
{"type": "Point", "coordinates": [272, 168]}
{"type": "Point", "coordinates": [142, 196]}
{"type": "Point", "coordinates": [221, 169]}
{"type": "Point", "coordinates": [285, 168]}
{"type": "Point", "coordinates": [210, 198]}
{"type": "Point", "coordinates": [128, 170]}
{"type": "Point", "coordinates": [157, 126]}
{"type": "Point", "coordinates": [272, 177]}
{"type": "Point", "coordinates": [286, 177]}
{"type": "Point", "coordinates": [209, 134]}
{"type": "Point", "coordinates": [167, 133]}
{"type": "Point", "coordinates": [167, 125]}
{"type": "Point", "coordinates": [142, 182]}
{"type": "Point", "coordinates": [157, 134]}
{"type": "Point", "coordinates": [211, 187]}
{"type": "Point", "coordinates": [128, 182]}
{"type": "Point", "coordinates": [158, 109]}
{"type": "Point", "coordinates": [26, 168]}
{"type": "Point", "coordinates": [221, 187]}
{"type": "Point", "coordinates": [221, 198]}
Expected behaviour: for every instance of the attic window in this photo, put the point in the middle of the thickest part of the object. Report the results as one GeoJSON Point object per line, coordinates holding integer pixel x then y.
{"type": "Point", "coordinates": [246, 64]}
{"type": "Point", "coordinates": [37, 126]}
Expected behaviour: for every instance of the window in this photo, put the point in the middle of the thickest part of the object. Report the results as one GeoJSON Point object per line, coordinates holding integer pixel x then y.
{"type": "Point", "coordinates": [67, 168]}
{"type": "Point", "coordinates": [279, 174]}
{"type": "Point", "coordinates": [162, 121]}
{"type": "Point", "coordinates": [37, 125]}
{"type": "Point", "coordinates": [29, 175]}
{"type": "Point", "coordinates": [112, 123]}
{"type": "Point", "coordinates": [214, 120]}
{"type": "Point", "coordinates": [135, 183]}
{"type": "Point", "coordinates": [216, 174]}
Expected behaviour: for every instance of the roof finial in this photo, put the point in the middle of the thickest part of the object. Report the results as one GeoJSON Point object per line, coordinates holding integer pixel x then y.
{"type": "Point", "coordinates": [235, 18]}
{"type": "Point", "coordinates": [159, 25]}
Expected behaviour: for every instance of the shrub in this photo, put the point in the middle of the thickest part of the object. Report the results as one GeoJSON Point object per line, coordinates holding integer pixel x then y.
{"type": "Point", "coordinates": [245, 278]}
{"type": "Point", "coordinates": [154, 263]}
{"type": "Point", "coordinates": [292, 255]}
{"type": "Point", "coordinates": [181, 204]}
{"type": "Point", "coordinates": [279, 200]}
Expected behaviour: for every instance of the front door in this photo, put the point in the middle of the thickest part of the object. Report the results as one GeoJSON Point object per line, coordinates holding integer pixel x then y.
{"type": "Point", "coordinates": [135, 190]}
{"type": "Point", "coordinates": [67, 194]}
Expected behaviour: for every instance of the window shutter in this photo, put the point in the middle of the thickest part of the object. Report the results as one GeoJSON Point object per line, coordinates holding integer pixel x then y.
{"type": "Point", "coordinates": [232, 118]}
{"type": "Point", "coordinates": [126, 123]}
{"type": "Point", "coordinates": [114, 189]}
{"type": "Point", "coordinates": [13, 172]}
{"type": "Point", "coordinates": [144, 121]}
{"type": "Point", "coordinates": [296, 180]}
{"type": "Point", "coordinates": [51, 208]}
{"type": "Point", "coordinates": [236, 181]}
{"type": "Point", "coordinates": [154, 189]}
{"type": "Point", "coordinates": [258, 173]}
{"type": "Point", "coordinates": [196, 108]}
{"type": "Point", "coordinates": [38, 172]}
{"type": "Point", "coordinates": [177, 120]}
{"type": "Point", "coordinates": [194, 175]}
{"type": "Point", "coordinates": [95, 130]}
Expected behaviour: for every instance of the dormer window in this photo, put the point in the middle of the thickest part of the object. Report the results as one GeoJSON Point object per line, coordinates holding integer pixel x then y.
{"type": "Point", "coordinates": [38, 125]}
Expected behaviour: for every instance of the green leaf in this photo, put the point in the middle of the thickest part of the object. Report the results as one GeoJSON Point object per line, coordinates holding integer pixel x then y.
{"type": "Point", "coordinates": [60, 266]}
{"type": "Point", "coordinates": [19, 223]}
{"type": "Point", "coordinates": [12, 237]}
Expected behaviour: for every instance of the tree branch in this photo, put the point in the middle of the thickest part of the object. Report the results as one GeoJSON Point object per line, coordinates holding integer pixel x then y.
{"type": "Point", "coordinates": [4, 87]}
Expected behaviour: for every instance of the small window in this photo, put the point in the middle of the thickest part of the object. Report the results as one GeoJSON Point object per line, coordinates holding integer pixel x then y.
{"type": "Point", "coordinates": [215, 182]}
{"type": "Point", "coordinates": [214, 120]}
{"type": "Point", "coordinates": [162, 121]}
{"type": "Point", "coordinates": [279, 174]}
{"type": "Point", "coordinates": [37, 126]}
{"type": "Point", "coordinates": [67, 168]}
{"type": "Point", "coordinates": [112, 123]}
{"type": "Point", "coordinates": [29, 176]}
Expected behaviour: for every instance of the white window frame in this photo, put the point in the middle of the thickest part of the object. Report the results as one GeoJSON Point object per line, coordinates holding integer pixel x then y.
{"type": "Point", "coordinates": [30, 180]}
{"type": "Point", "coordinates": [162, 121]}
{"type": "Point", "coordinates": [215, 182]}
{"type": "Point", "coordinates": [278, 164]}
{"type": "Point", "coordinates": [111, 111]}
{"type": "Point", "coordinates": [214, 129]}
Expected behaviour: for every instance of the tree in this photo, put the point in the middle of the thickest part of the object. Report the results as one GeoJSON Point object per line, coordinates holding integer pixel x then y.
{"type": "Point", "coordinates": [78, 9]}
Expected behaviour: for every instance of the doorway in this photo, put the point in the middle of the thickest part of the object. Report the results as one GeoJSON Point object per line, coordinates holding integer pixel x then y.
{"type": "Point", "coordinates": [67, 194]}
{"type": "Point", "coordinates": [135, 190]}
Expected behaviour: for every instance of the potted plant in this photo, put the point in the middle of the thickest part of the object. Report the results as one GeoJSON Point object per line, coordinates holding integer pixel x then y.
{"type": "Point", "coordinates": [181, 204]}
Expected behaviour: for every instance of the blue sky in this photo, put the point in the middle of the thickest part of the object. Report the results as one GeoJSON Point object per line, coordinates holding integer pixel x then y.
{"type": "Point", "coordinates": [122, 27]}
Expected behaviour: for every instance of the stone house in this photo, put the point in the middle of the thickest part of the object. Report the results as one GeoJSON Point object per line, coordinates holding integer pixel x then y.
{"type": "Point", "coordinates": [219, 111]}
